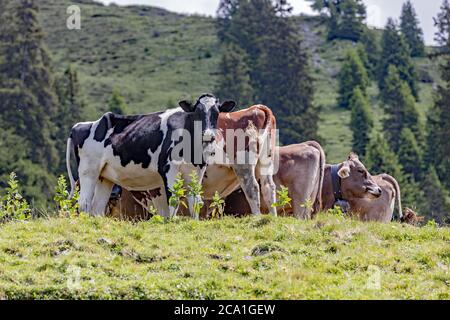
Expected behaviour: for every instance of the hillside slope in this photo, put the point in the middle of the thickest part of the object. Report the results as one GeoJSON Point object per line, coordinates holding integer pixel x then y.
{"type": "Point", "coordinates": [252, 258]}
{"type": "Point", "coordinates": [155, 58]}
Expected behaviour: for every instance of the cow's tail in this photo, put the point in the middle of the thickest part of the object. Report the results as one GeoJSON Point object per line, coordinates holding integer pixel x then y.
{"type": "Point", "coordinates": [69, 150]}
{"type": "Point", "coordinates": [394, 182]}
{"type": "Point", "coordinates": [317, 205]}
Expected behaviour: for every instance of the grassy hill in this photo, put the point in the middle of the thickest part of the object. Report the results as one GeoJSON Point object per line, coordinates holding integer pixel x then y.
{"type": "Point", "coordinates": [155, 58]}
{"type": "Point", "coordinates": [252, 258]}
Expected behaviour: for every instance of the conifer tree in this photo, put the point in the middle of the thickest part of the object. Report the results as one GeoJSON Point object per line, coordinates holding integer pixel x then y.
{"type": "Point", "coordinates": [352, 75]}
{"type": "Point", "coordinates": [116, 103]}
{"type": "Point", "coordinates": [442, 23]}
{"type": "Point", "coordinates": [26, 84]}
{"type": "Point", "coordinates": [413, 34]}
{"type": "Point", "coordinates": [225, 11]}
{"type": "Point", "coordinates": [372, 49]}
{"type": "Point", "coordinates": [346, 18]}
{"type": "Point", "coordinates": [284, 82]}
{"type": "Point", "coordinates": [361, 122]}
{"type": "Point", "coordinates": [438, 124]}
{"type": "Point", "coordinates": [410, 154]}
{"type": "Point", "coordinates": [235, 80]}
{"type": "Point", "coordinates": [278, 64]}
{"type": "Point", "coordinates": [27, 101]}
{"type": "Point", "coordinates": [437, 197]}
{"type": "Point", "coordinates": [71, 107]}
{"type": "Point", "coordinates": [396, 52]}
{"type": "Point", "coordinates": [381, 159]}
{"type": "Point", "coordinates": [400, 109]}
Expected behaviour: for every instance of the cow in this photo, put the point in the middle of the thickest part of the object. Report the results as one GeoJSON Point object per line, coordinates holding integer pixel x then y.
{"type": "Point", "coordinates": [301, 169]}
{"type": "Point", "coordinates": [255, 127]}
{"type": "Point", "coordinates": [382, 208]}
{"type": "Point", "coordinates": [144, 152]}
{"type": "Point", "coordinates": [347, 182]}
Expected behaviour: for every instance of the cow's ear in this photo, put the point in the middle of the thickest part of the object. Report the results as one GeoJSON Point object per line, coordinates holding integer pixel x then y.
{"type": "Point", "coordinates": [186, 106]}
{"type": "Point", "coordinates": [227, 106]}
{"type": "Point", "coordinates": [344, 172]}
{"type": "Point", "coordinates": [353, 156]}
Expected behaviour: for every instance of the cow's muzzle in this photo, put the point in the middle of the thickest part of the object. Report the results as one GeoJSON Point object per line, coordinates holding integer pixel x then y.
{"type": "Point", "coordinates": [209, 136]}
{"type": "Point", "coordinates": [375, 191]}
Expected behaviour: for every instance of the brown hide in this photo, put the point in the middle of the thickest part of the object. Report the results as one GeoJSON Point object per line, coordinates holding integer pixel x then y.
{"type": "Point", "coordinates": [301, 171]}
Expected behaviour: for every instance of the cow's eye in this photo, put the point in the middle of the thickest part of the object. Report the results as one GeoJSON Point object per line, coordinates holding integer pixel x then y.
{"type": "Point", "coordinates": [361, 171]}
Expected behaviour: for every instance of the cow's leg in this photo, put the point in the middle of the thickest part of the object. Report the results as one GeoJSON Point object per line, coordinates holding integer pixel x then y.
{"type": "Point", "coordinates": [268, 190]}
{"type": "Point", "coordinates": [249, 184]}
{"type": "Point", "coordinates": [87, 189]}
{"type": "Point", "coordinates": [161, 205]}
{"type": "Point", "coordinates": [102, 194]}
{"type": "Point", "coordinates": [302, 200]}
{"type": "Point", "coordinates": [169, 181]}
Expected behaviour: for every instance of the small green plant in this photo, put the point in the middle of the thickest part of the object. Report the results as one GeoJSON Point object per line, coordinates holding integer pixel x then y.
{"type": "Point", "coordinates": [432, 223]}
{"type": "Point", "coordinates": [217, 206]}
{"type": "Point", "coordinates": [283, 199]}
{"type": "Point", "coordinates": [67, 207]}
{"type": "Point", "coordinates": [152, 210]}
{"type": "Point", "coordinates": [13, 206]}
{"type": "Point", "coordinates": [336, 211]}
{"type": "Point", "coordinates": [308, 204]}
{"type": "Point", "coordinates": [178, 193]}
{"type": "Point", "coordinates": [157, 219]}
{"type": "Point", "coordinates": [195, 191]}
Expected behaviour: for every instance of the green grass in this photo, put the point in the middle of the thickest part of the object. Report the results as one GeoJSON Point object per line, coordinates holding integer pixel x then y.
{"type": "Point", "coordinates": [252, 258]}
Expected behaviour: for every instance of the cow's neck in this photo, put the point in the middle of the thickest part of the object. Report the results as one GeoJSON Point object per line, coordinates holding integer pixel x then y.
{"type": "Point", "coordinates": [328, 198]}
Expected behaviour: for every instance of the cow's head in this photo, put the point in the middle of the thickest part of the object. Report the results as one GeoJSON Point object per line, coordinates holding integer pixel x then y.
{"type": "Point", "coordinates": [206, 110]}
{"type": "Point", "coordinates": [356, 180]}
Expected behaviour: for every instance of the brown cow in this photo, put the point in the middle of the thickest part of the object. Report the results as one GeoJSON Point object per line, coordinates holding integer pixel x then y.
{"type": "Point", "coordinates": [382, 208]}
{"type": "Point", "coordinates": [349, 181]}
{"type": "Point", "coordinates": [301, 170]}
{"type": "Point", "coordinates": [255, 127]}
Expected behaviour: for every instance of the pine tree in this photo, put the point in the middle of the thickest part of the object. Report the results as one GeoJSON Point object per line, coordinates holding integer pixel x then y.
{"type": "Point", "coordinates": [346, 18]}
{"type": "Point", "coordinates": [278, 65]}
{"type": "Point", "coordinates": [71, 108]}
{"type": "Point", "coordinates": [226, 10]}
{"type": "Point", "coordinates": [413, 34]}
{"type": "Point", "coordinates": [373, 51]}
{"type": "Point", "coordinates": [235, 80]}
{"type": "Point", "coordinates": [27, 101]}
{"type": "Point", "coordinates": [437, 197]}
{"type": "Point", "coordinates": [381, 159]}
{"type": "Point", "coordinates": [352, 75]}
{"type": "Point", "coordinates": [26, 85]}
{"type": "Point", "coordinates": [400, 109]}
{"type": "Point", "coordinates": [396, 52]}
{"type": "Point", "coordinates": [284, 82]}
{"type": "Point", "coordinates": [117, 104]}
{"type": "Point", "coordinates": [442, 23]}
{"type": "Point", "coordinates": [409, 154]}
{"type": "Point", "coordinates": [438, 124]}
{"type": "Point", "coordinates": [361, 122]}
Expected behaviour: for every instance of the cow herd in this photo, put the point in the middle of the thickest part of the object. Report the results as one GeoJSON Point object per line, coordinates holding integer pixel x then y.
{"type": "Point", "coordinates": [232, 153]}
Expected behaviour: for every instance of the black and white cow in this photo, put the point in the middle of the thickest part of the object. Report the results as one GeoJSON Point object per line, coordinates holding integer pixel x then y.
{"type": "Point", "coordinates": [143, 152]}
